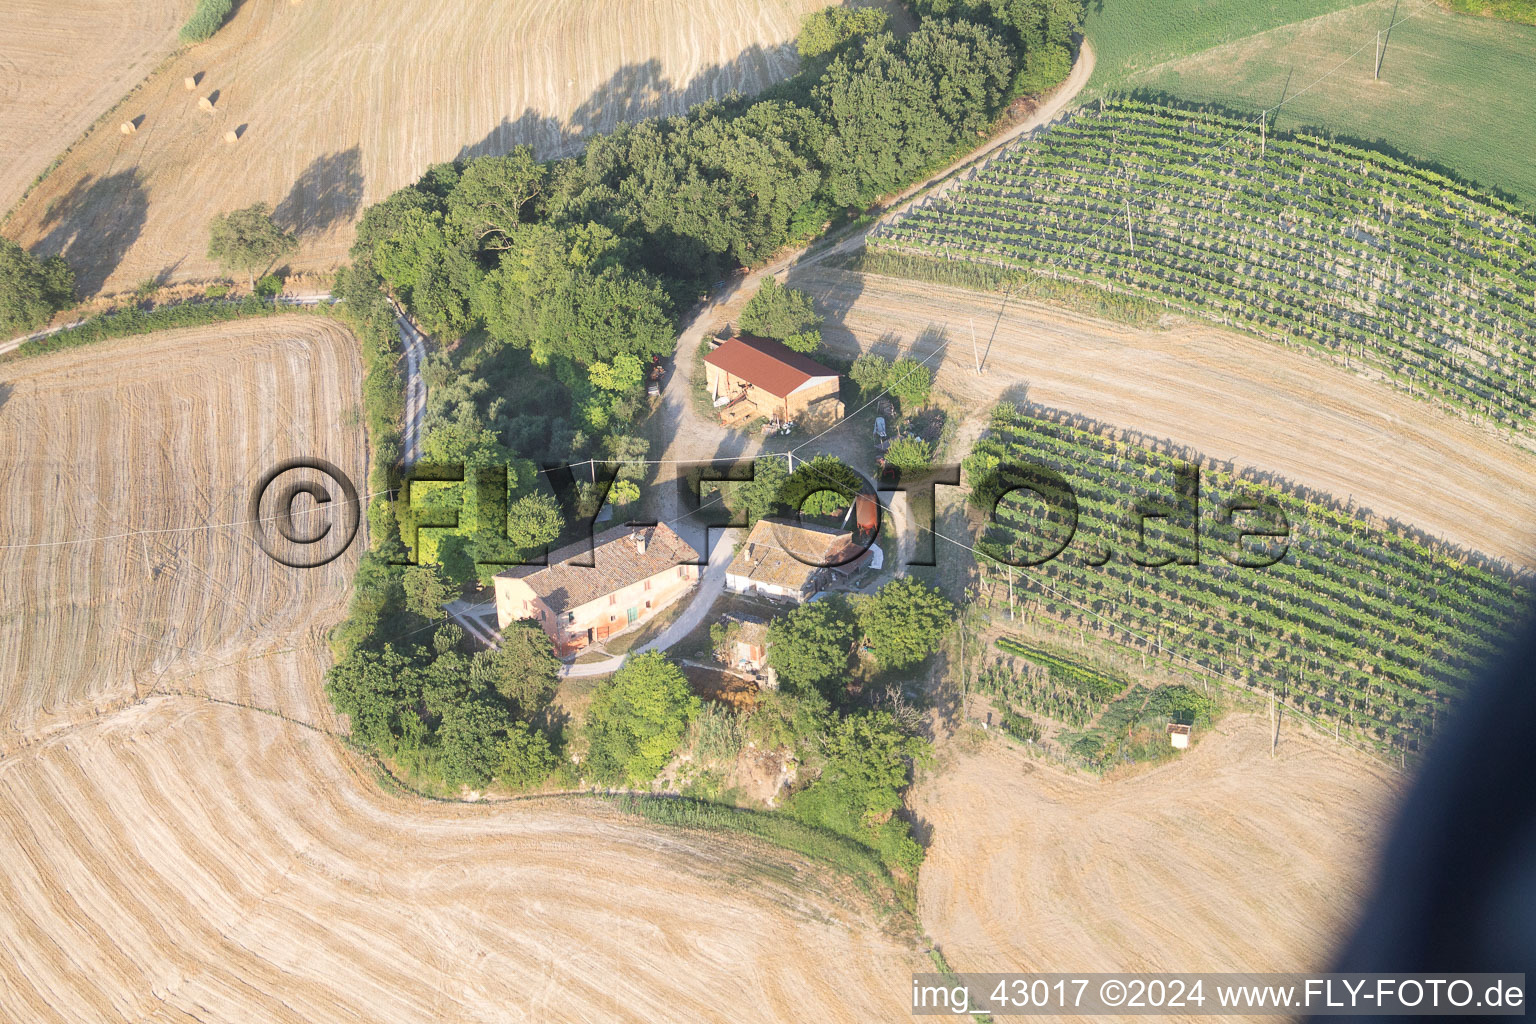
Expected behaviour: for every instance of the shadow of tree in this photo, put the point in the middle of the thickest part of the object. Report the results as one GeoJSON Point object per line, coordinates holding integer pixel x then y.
{"type": "Point", "coordinates": [635, 92]}
{"type": "Point", "coordinates": [93, 225]}
{"type": "Point", "coordinates": [327, 192]}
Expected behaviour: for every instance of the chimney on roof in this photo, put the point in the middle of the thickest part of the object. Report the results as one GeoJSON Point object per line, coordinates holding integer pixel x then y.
{"type": "Point", "coordinates": [639, 540]}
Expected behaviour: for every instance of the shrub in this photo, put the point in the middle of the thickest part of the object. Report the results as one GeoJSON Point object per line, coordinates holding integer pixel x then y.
{"type": "Point", "coordinates": [910, 454]}
{"type": "Point", "coordinates": [269, 286]}
{"type": "Point", "coordinates": [206, 20]}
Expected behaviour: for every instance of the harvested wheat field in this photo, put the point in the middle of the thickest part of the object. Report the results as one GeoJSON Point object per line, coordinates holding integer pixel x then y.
{"type": "Point", "coordinates": [118, 574]}
{"type": "Point", "coordinates": [335, 106]}
{"type": "Point", "coordinates": [62, 65]}
{"type": "Point", "coordinates": [185, 861]}
{"type": "Point", "coordinates": [186, 839]}
{"type": "Point", "coordinates": [1228, 395]}
{"type": "Point", "coordinates": [1222, 860]}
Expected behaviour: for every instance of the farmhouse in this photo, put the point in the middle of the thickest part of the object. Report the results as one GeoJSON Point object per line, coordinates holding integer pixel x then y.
{"type": "Point", "coordinates": [792, 561]}
{"type": "Point", "coordinates": [635, 572]}
{"type": "Point", "coordinates": [749, 377]}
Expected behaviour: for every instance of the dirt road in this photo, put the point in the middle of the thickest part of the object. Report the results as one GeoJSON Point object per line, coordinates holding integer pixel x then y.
{"type": "Point", "coordinates": [1230, 396]}
{"type": "Point", "coordinates": [688, 435]}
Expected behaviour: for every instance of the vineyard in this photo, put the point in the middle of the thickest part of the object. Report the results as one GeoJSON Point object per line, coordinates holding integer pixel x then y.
{"type": "Point", "coordinates": [1391, 269]}
{"type": "Point", "coordinates": [1362, 623]}
{"type": "Point", "coordinates": [1102, 719]}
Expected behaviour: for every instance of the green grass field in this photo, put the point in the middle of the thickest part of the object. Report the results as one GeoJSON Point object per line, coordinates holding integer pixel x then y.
{"type": "Point", "coordinates": [1455, 91]}
{"type": "Point", "coordinates": [1131, 36]}
{"type": "Point", "coordinates": [1509, 10]}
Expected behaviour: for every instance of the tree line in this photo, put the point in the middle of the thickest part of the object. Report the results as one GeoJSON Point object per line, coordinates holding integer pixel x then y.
{"type": "Point", "coordinates": [558, 282]}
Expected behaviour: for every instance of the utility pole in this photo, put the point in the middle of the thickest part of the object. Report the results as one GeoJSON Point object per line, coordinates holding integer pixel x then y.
{"type": "Point", "coordinates": [1377, 76]}
{"type": "Point", "coordinates": [1263, 132]}
{"type": "Point", "coordinates": [975, 352]}
{"type": "Point", "coordinates": [1129, 234]}
{"type": "Point", "coordinates": [1274, 717]}
{"type": "Point", "coordinates": [965, 670]}
{"type": "Point", "coordinates": [1010, 593]}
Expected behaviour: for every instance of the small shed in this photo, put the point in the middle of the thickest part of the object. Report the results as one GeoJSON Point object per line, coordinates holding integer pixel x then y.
{"type": "Point", "coordinates": [1178, 735]}
{"type": "Point", "coordinates": [751, 651]}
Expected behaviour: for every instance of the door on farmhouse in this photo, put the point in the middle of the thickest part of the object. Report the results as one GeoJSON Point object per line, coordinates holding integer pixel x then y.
{"type": "Point", "coordinates": [634, 613]}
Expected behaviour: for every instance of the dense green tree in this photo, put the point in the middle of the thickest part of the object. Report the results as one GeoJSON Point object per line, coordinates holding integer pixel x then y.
{"type": "Point", "coordinates": [372, 688]}
{"type": "Point", "coordinates": [206, 19]}
{"type": "Point", "coordinates": [623, 494]}
{"type": "Point", "coordinates": [868, 763]}
{"type": "Point", "coordinates": [903, 621]}
{"type": "Point", "coordinates": [910, 382]}
{"type": "Point", "coordinates": [820, 486]}
{"type": "Point", "coordinates": [825, 30]}
{"type": "Point", "coordinates": [809, 646]}
{"type": "Point", "coordinates": [523, 669]}
{"type": "Point", "coordinates": [625, 373]}
{"type": "Point", "coordinates": [31, 290]}
{"type": "Point", "coordinates": [524, 757]}
{"type": "Point", "coordinates": [248, 240]}
{"type": "Point", "coordinates": [793, 721]}
{"type": "Point", "coordinates": [869, 372]}
{"type": "Point", "coordinates": [784, 314]}
{"type": "Point", "coordinates": [422, 263]}
{"type": "Point", "coordinates": [565, 293]}
{"type": "Point", "coordinates": [751, 500]}
{"type": "Point", "coordinates": [899, 107]}
{"type": "Point", "coordinates": [492, 196]}
{"type": "Point", "coordinates": [534, 522]}
{"type": "Point", "coordinates": [637, 719]}
{"type": "Point", "coordinates": [709, 191]}
{"type": "Point", "coordinates": [425, 590]}
{"type": "Point", "coordinates": [470, 738]}
{"type": "Point", "coordinates": [380, 222]}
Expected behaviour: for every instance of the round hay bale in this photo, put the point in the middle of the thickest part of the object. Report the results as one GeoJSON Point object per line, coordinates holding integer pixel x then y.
{"type": "Point", "coordinates": [127, 128]}
{"type": "Point", "coordinates": [189, 82]}
{"type": "Point", "coordinates": [206, 104]}
{"type": "Point", "coordinates": [231, 136]}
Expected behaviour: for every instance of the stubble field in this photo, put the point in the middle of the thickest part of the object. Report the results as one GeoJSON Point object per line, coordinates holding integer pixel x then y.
{"type": "Point", "coordinates": [184, 837]}
{"type": "Point", "coordinates": [118, 573]}
{"type": "Point", "coordinates": [62, 64]}
{"type": "Point", "coordinates": [336, 106]}
{"type": "Point", "coordinates": [1222, 860]}
{"type": "Point", "coordinates": [1230, 396]}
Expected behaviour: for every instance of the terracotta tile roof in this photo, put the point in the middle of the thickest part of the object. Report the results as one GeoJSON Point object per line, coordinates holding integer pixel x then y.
{"type": "Point", "coordinates": [753, 633]}
{"type": "Point", "coordinates": [766, 364]}
{"type": "Point", "coordinates": [769, 555]}
{"type": "Point", "coordinates": [616, 563]}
